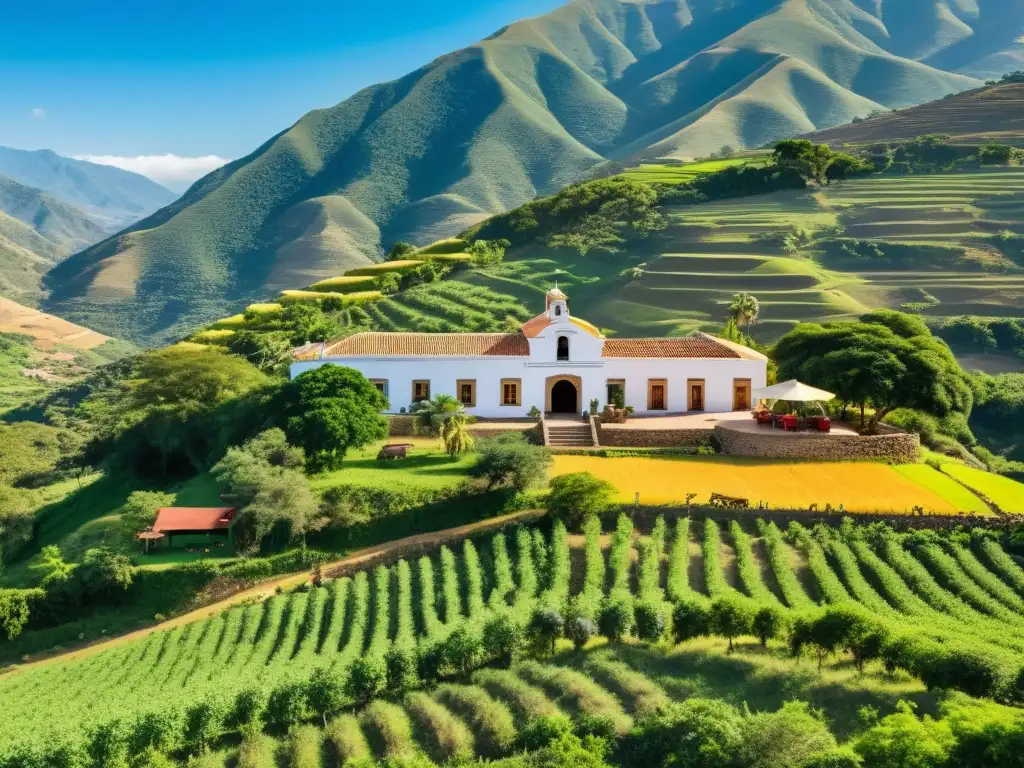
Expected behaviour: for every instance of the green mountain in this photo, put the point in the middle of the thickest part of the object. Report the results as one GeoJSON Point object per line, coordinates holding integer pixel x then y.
{"type": "Point", "coordinates": [112, 197]}
{"type": "Point", "coordinates": [36, 232]}
{"type": "Point", "coordinates": [539, 104]}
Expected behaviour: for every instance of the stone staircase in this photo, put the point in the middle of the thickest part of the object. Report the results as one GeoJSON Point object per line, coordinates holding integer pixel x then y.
{"type": "Point", "coordinates": [569, 434]}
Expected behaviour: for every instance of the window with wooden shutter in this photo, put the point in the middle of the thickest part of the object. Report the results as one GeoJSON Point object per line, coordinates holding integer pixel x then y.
{"type": "Point", "coordinates": [466, 390]}
{"type": "Point", "coordinates": [510, 391]}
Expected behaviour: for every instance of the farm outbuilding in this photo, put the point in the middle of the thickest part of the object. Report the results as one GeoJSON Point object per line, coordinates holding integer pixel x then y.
{"type": "Point", "coordinates": [191, 528]}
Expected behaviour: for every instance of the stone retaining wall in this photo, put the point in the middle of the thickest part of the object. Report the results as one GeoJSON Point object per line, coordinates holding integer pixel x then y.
{"type": "Point", "coordinates": [616, 437]}
{"type": "Point", "coordinates": [895, 447]}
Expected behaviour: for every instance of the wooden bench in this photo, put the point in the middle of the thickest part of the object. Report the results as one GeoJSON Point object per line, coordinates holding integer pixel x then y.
{"type": "Point", "coordinates": [392, 452]}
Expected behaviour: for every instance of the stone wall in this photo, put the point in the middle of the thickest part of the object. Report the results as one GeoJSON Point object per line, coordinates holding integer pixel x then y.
{"type": "Point", "coordinates": [616, 436]}
{"type": "Point", "coordinates": [896, 447]}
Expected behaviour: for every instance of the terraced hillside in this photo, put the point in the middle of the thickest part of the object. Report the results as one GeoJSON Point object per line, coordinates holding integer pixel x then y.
{"type": "Point", "coordinates": [944, 248]}
{"type": "Point", "coordinates": [935, 589]}
{"type": "Point", "coordinates": [541, 103]}
{"type": "Point", "coordinates": [987, 114]}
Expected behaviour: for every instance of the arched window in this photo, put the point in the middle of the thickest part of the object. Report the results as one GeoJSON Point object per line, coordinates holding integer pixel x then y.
{"type": "Point", "coordinates": [558, 310]}
{"type": "Point", "coordinates": [563, 347]}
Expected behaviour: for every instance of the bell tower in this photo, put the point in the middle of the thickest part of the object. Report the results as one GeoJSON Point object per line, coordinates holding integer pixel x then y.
{"type": "Point", "coordinates": [556, 304]}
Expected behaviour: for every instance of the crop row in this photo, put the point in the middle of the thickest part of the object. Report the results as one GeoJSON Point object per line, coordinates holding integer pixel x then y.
{"type": "Point", "coordinates": [449, 612]}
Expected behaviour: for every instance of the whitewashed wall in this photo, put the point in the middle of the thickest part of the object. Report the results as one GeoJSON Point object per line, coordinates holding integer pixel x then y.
{"type": "Point", "coordinates": [489, 371]}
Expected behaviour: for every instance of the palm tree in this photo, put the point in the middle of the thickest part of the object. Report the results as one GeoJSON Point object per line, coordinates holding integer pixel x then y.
{"type": "Point", "coordinates": [432, 415]}
{"type": "Point", "coordinates": [745, 309]}
{"type": "Point", "coordinates": [455, 436]}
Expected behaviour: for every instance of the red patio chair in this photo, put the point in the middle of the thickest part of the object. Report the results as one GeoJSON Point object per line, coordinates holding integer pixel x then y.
{"type": "Point", "coordinates": [824, 424]}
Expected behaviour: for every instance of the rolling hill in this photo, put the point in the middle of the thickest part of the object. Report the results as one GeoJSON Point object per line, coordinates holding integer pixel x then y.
{"type": "Point", "coordinates": [986, 114]}
{"type": "Point", "coordinates": [539, 104]}
{"type": "Point", "coordinates": [40, 353]}
{"type": "Point", "coordinates": [113, 198]}
{"type": "Point", "coordinates": [36, 232]}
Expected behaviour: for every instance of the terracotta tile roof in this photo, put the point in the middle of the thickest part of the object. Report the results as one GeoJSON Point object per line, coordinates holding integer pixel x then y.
{"type": "Point", "coordinates": [696, 346]}
{"type": "Point", "coordinates": [430, 345]}
{"type": "Point", "coordinates": [193, 519]}
{"type": "Point", "coordinates": [532, 327]}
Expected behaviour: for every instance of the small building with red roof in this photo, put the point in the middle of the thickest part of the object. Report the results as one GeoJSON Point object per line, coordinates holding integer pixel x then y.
{"type": "Point", "coordinates": [191, 527]}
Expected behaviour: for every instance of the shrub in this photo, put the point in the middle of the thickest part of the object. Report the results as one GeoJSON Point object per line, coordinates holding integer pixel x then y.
{"type": "Point", "coordinates": [579, 629]}
{"type": "Point", "coordinates": [731, 617]}
{"type": "Point", "coordinates": [400, 663]}
{"type": "Point", "coordinates": [511, 460]}
{"type": "Point", "coordinates": [576, 496]}
{"type": "Point", "coordinates": [367, 677]}
{"type": "Point", "coordinates": [502, 636]}
{"type": "Point", "coordinates": [108, 745]}
{"type": "Point", "coordinates": [248, 710]}
{"type": "Point", "coordinates": [768, 623]}
{"type": "Point", "coordinates": [650, 620]}
{"type": "Point", "coordinates": [325, 693]}
{"type": "Point", "coordinates": [348, 743]}
{"type": "Point", "coordinates": [303, 747]}
{"type": "Point", "coordinates": [690, 619]}
{"type": "Point", "coordinates": [204, 724]}
{"type": "Point", "coordinates": [463, 648]}
{"type": "Point", "coordinates": [616, 619]}
{"type": "Point", "coordinates": [698, 733]}
{"type": "Point", "coordinates": [542, 731]}
{"type": "Point", "coordinates": [256, 751]}
{"type": "Point", "coordinates": [785, 738]}
{"type": "Point", "coordinates": [287, 706]}
{"type": "Point", "coordinates": [546, 625]}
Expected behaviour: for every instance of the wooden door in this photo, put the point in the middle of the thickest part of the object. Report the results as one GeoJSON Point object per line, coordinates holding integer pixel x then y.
{"type": "Point", "coordinates": [696, 395]}
{"type": "Point", "coordinates": [741, 395]}
{"type": "Point", "coordinates": [657, 399]}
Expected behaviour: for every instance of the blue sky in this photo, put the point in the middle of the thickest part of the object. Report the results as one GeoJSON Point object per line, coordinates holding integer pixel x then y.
{"type": "Point", "coordinates": [192, 79]}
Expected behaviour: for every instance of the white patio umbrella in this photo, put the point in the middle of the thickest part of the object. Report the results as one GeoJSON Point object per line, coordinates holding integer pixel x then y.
{"type": "Point", "coordinates": [793, 391]}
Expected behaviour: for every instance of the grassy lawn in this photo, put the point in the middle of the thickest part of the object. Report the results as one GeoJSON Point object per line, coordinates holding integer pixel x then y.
{"type": "Point", "coordinates": [159, 561]}
{"type": "Point", "coordinates": [1007, 493]}
{"type": "Point", "coordinates": [427, 466]}
{"type": "Point", "coordinates": [857, 486]}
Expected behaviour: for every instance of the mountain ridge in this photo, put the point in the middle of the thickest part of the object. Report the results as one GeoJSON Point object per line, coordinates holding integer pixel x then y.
{"type": "Point", "coordinates": [115, 198]}
{"type": "Point", "coordinates": [538, 105]}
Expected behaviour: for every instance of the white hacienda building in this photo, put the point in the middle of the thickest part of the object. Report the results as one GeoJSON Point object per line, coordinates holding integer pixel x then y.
{"type": "Point", "coordinates": [556, 362]}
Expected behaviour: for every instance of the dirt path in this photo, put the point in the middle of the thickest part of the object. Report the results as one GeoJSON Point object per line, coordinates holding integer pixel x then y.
{"type": "Point", "coordinates": [765, 568]}
{"type": "Point", "coordinates": [695, 571]}
{"type": "Point", "coordinates": [803, 573]}
{"type": "Point", "coordinates": [727, 560]}
{"type": "Point", "coordinates": [358, 560]}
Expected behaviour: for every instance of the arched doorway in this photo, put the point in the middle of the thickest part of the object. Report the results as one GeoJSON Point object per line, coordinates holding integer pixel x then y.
{"type": "Point", "coordinates": [565, 397]}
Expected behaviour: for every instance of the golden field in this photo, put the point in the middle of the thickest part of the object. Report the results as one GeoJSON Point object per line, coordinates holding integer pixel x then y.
{"type": "Point", "coordinates": [857, 486]}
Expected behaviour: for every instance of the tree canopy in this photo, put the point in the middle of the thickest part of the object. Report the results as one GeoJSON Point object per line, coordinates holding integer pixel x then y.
{"type": "Point", "coordinates": [886, 360]}
{"type": "Point", "coordinates": [330, 409]}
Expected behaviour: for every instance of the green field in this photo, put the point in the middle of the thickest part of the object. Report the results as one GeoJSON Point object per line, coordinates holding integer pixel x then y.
{"type": "Point", "coordinates": [427, 467]}
{"type": "Point", "coordinates": [941, 589]}
{"type": "Point", "coordinates": [1004, 492]}
{"type": "Point", "coordinates": [683, 172]}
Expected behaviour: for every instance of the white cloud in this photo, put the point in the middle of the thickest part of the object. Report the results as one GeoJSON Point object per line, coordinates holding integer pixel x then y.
{"type": "Point", "coordinates": [39, 113]}
{"type": "Point", "coordinates": [173, 171]}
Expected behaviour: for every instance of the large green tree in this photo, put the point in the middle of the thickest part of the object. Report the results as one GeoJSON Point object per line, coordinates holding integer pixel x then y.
{"type": "Point", "coordinates": [330, 409]}
{"type": "Point", "coordinates": [887, 360]}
